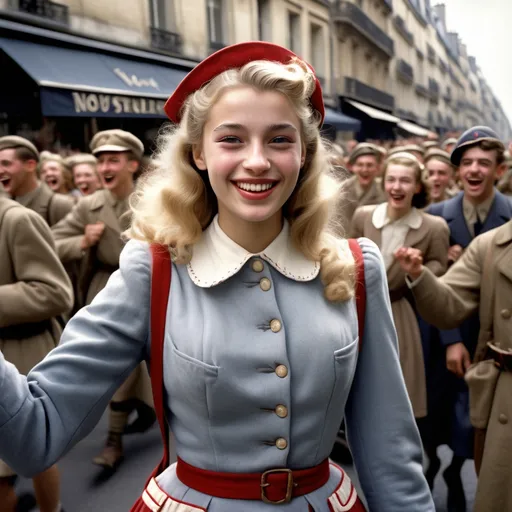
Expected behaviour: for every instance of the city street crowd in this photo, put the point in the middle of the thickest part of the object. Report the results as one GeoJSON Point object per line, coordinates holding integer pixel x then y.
{"type": "Point", "coordinates": [439, 210]}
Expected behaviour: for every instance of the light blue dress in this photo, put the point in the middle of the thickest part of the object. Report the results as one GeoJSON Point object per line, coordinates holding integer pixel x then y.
{"type": "Point", "coordinates": [221, 357]}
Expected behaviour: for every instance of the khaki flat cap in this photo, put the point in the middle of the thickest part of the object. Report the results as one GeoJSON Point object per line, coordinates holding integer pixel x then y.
{"type": "Point", "coordinates": [80, 158]}
{"type": "Point", "coordinates": [451, 140]}
{"type": "Point", "coordinates": [14, 141]}
{"type": "Point", "coordinates": [363, 149]}
{"type": "Point", "coordinates": [48, 156]}
{"type": "Point", "coordinates": [429, 144]}
{"type": "Point", "coordinates": [116, 141]}
{"type": "Point", "coordinates": [438, 154]}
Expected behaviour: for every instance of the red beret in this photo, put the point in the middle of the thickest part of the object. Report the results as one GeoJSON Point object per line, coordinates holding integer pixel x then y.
{"type": "Point", "coordinates": [233, 57]}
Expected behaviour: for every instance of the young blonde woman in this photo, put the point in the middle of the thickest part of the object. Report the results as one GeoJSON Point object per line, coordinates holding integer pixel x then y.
{"type": "Point", "coordinates": [260, 354]}
{"type": "Point", "coordinates": [53, 171]}
{"type": "Point", "coordinates": [397, 223]}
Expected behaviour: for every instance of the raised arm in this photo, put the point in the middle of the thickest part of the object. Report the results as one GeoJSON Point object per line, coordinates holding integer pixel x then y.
{"type": "Point", "coordinates": [381, 429]}
{"type": "Point", "coordinates": [43, 289]}
{"type": "Point", "coordinates": [44, 414]}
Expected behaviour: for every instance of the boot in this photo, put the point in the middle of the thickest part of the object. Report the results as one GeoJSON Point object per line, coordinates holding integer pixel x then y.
{"type": "Point", "coordinates": [112, 454]}
{"type": "Point", "coordinates": [146, 418]}
{"type": "Point", "coordinates": [456, 498]}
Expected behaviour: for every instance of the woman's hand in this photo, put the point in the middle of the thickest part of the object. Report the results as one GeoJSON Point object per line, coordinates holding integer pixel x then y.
{"type": "Point", "coordinates": [411, 261]}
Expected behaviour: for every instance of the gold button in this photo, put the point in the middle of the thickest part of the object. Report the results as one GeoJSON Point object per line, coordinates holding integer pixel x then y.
{"type": "Point", "coordinates": [282, 371]}
{"type": "Point", "coordinates": [265, 284]}
{"type": "Point", "coordinates": [275, 325]}
{"type": "Point", "coordinates": [281, 443]}
{"type": "Point", "coordinates": [257, 266]}
{"type": "Point", "coordinates": [281, 411]}
{"type": "Point", "coordinates": [505, 313]}
{"type": "Point", "coordinates": [503, 419]}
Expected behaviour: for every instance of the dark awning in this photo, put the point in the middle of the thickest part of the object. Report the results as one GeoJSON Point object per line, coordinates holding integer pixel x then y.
{"type": "Point", "coordinates": [340, 121]}
{"type": "Point", "coordinates": [88, 84]}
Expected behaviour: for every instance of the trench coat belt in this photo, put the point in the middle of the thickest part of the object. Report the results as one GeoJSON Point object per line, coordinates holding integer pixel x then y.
{"type": "Point", "coordinates": [501, 360]}
{"type": "Point", "coordinates": [271, 486]}
{"type": "Point", "coordinates": [23, 331]}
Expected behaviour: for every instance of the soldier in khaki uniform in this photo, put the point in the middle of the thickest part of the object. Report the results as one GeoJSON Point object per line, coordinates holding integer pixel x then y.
{"type": "Point", "coordinates": [18, 174]}
{"type": "Point", "coordinates": [363, 188]}
{"type": "Point", "coordinates": [91, 234]}
{"type": "Point", "coordinates": [34, 289]}
{"type": "Point", "coordinates": [481, 280]}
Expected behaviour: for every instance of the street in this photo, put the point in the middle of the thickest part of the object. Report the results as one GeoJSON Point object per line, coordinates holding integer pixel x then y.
{"type": "Point", "coordinates": [84, 489]}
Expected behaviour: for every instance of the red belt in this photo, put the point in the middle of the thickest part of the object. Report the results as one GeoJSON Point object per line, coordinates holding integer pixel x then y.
{"type": "Point", "coordinates": [272, 486]}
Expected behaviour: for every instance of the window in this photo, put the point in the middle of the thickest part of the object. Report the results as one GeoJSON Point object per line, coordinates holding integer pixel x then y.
{"type": "Point", "coordinates": [158, 17]}
{"type": "Point", "coordinates": [215, 23]}
{"type": "Point", "coordinates": [317, 50]}
{"type": "Point", "coordinates": [294, 32]}
{"type": "Point", "coordinates": [264, 25]}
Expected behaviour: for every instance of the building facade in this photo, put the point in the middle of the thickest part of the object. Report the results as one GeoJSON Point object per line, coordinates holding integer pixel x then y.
{"type": "Point", "coordinates": [393, 64]}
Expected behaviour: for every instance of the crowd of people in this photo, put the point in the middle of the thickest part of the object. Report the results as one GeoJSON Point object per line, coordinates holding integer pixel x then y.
{"type": "Point", "coordinates": [439, 212]}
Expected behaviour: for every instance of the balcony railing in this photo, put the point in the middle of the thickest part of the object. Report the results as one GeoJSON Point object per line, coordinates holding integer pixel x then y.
{"type": "Point", "coordinates": [359, 91]}
{"type": "Point", "coordinates": [165, 40]}
{"type": "Point", "coordinates": [405, 71]}
{"type": "Point", "coordinates": [349, 14]}
{"type": "Point", "coordinates": [53, 11]}
{"type": "Point", "coordinates": [431, 54]}
{"type": "Point", "coordinates": [422, 91]}
{"type": "Point", "coordinates": [400, 26]}
{"type": "Point", "coordinates": [433, 87]}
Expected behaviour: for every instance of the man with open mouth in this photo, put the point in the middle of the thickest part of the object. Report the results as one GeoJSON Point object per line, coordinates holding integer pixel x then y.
{"type": "Point", "coordinates": [19, 159]}
{"type": "Point", "coordinates": [91, 234]}
{"type": "Point", "coordinates": [478, 208]}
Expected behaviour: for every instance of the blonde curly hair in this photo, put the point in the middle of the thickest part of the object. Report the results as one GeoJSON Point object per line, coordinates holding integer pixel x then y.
{"type": "Point", "coordinates": [174, 203]}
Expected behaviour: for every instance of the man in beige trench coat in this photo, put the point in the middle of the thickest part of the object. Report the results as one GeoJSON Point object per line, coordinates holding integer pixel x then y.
{"type": "Point", "coordinates": [34, 289]}
{"type": "Point", "coordinates": [480, 280]}
{"type": "Point", "coordinates": [91, 233]}
{"type": "Point", "coordinates": [19, 159]}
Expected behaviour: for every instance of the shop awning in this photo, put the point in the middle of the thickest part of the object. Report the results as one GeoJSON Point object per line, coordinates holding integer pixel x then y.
{"type": "Point", "coordinates": [414, 129]}
{"type": "Point", "coordinates": [341, 122]}
{"type": "Point", "coordinates": [80, 83]}
{"type": "Point", "coordinates": [374, 113]}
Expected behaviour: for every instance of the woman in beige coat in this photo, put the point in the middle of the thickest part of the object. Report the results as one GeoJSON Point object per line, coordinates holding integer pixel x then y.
{"type": "Point", "coordinates": [400, 223]}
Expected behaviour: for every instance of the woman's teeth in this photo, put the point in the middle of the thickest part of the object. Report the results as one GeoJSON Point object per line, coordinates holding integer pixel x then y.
{"type": "Point", "coordinates": [252, 187]}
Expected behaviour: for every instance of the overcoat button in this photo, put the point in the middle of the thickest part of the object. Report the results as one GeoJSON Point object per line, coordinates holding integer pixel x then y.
{"type": "Point", "coordinates": [503, 419]}
{"type": "Point", "coordinates": [281, 371]}
{"type": "Point", "coordinates": [281, 411]}
{"type": "Point", "coordinates": [265, 284]}
{"type": "Point", "coordinates": [275, 325]}
{"type": "Point", "coordinates": [505, 313]}
{"type": "Point", "coordinates": [281, 443]}
{"type": "Point", "coordinates": [257, 266]}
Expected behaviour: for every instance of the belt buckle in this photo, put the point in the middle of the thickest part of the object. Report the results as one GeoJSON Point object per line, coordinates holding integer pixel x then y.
{"type": "Point", "coordinates": [289, 486]}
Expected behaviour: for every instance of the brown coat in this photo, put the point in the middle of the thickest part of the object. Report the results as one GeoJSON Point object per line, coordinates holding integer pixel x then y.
{"type": "Point", "coordinates": [482, 280]}
{"type": "Point", "coordinates": [51, 206]}
{"type": "Point", "coordinates": [349, 203]}
{"type": "Point", "coordinates": [34, 287]}
{"type": "Point", "coordinates": [432, 238]}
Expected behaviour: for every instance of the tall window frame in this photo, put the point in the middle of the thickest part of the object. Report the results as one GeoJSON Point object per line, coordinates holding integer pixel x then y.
{"type": "Point", "coordinates": [216, 28]}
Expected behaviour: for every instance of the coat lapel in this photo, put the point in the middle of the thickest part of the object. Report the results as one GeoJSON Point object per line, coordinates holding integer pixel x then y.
{"type": "Point", "coordinates": [500, 212]}
{"type": "Point", "coordinates": [504, 239]}
{"type": "Point", "coordinates": [454, 216]}
{"type": "Point", "coordinates": [104, 211]}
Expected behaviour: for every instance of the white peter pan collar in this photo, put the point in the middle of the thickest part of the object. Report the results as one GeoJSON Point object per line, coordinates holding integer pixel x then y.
{"type": "Point", "coordinates": [216, 258]}
{"type": "Point", "coordinates": [380, 218]}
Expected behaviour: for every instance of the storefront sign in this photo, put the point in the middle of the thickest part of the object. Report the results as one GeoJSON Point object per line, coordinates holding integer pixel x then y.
{"type": "Point", "coordinates": [135, 81]}
{"type": "Point", "coordinates": [63, 103]}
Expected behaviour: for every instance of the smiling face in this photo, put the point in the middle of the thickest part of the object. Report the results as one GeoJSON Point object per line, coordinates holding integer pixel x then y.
{"type": "Point", "coordinates": [252, 151]}
{"type": "Point", "coordinates": [440, 175]}
{"type": "Point", "coordinates": [86, 179]}
{"type": "Point", "coordinates": [400, 185]}
{"type": "Point", "coordinates": [52, 174]}
{"type": "Point", "coordinates": [116, 170]}
{"type": "Point", "coordinates": [478, 172]}
{"type": "Point", "coordinates": [366, 168]}
{"type": "Point", "coordinates": [17, 176]}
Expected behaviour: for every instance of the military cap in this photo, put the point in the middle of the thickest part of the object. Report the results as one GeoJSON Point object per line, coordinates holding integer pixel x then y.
{"type": "Point", "coordinates": [406, 155]}
{"type": "Point", "coordinates": [428, 144]}
{"type": "Point", "coordinates": [234, 57]}
{"type": "Point", "coordinates": [116, 141]}
{"type": "Point", "coordinates": [14, 141]}
{"type": "Point", "coordinates": [447, 142]}
{"type": "Point", "coordinates": [48, 156]}
{"type": "Point", "coordinates": [363, 149]}
{"type": "Point", "coordinates": [472, 137]}
{"type": "Point", "coordinates": [80, 158]}
{"type": "Point", "coordinates": [438, 154]}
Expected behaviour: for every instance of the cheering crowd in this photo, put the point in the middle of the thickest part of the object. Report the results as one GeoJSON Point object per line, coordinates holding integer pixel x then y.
{"type": "Point", "coordinates": [438, 210]}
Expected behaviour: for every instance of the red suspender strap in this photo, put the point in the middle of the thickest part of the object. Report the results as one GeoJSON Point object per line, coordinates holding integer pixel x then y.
{"type": "Point", "coordinates": [360, 286]}
{"type": "Point", "coordinates": [160, 288]}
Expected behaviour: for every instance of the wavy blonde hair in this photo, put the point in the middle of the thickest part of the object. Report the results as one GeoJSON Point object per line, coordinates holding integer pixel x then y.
{"type": "Point", "coordinates": [174, 202]}
{"type": "Point", "coordinates": [47, 156]}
